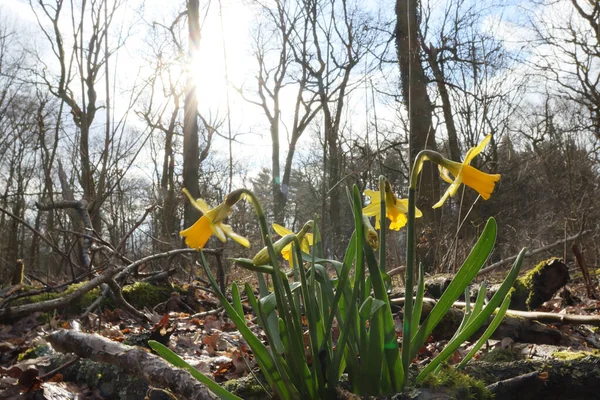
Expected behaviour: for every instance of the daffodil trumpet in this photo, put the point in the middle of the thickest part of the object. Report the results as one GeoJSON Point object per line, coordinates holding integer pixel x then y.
{"type": "Point", "coordinates": [483, 183]}
{"type": "Point", "coordinates": [211, 223]}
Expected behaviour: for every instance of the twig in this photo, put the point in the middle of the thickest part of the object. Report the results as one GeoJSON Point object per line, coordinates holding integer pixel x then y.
{"type": "Point", "coordinates": [584, 271]}
{"type": "Point", "coordinates": [135, 226]}
{"type": "Point", "coordinates": [539, 316]}
{"type": "Point", "coordinates": [137, 315]}
{"type": "Point", "coordinates": [207, 313]}
{"type": "Point", "coordinates": [55, 371]}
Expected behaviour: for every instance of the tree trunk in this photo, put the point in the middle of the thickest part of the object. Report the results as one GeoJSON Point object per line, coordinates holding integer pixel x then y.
{"type": "Point", "coordinates": [191, 154]}
{"type": "Point", "coordinates": [414, 91]}
{"type": "Point", "coordinates": [438, 74]}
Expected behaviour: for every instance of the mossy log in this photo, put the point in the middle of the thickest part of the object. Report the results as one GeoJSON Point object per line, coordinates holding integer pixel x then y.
{"type": "Point", "coordinates": [530, 291]}
{"type": "Point", "coordinates": [548, 379]}
{"type": "Point", "coordinates": [539, 284]}
{"type": "Point", "coordinates": [133, 360]}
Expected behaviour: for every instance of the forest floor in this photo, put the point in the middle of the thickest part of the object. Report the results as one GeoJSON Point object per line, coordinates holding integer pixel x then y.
{"type": "Point", "coordinates": [193, 325]}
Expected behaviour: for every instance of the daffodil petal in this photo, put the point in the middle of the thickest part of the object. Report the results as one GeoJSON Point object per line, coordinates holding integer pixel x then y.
{"type": "Point", "coordinates": [377, 222]}
{"type": "Point", "coordinates": [418, 213]}
{"type": "Point", "coordinates": [401, 205]}
{"type": "Point", "coordinates": [443, 199]}
{"type": "Point", "coordinates": [372, 209]}
{"type": "Point", "coordinates": [453, 188]}
{"type": "Point", "coordinates": [238, 238]}
{"type": "Point", "coordinates": [281, 231]}
{"type": "Point", "coordinates": [480, 181]}
{"type": "Point", "coordinates": [219, 213]}
{"type": "Point", "coordinates": [218, 231]}
{"type": "Point", "coordinates": [309, 238]}
{"type": "Point", "coordinates": [198, 234]}
{"type": "Point", "coordinates": [473, 151]}
{"type": "Point", "coordinates": [445, 174]}
{"type": "Point", "coordinates": [398, 222]}
{"type": "Point", "coordinates": [373, 194]}
{"type": "Point", "coordinates": [198, 204]}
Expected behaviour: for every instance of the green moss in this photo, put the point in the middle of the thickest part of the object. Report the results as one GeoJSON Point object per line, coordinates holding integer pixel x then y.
{"type": "Point", "coordinates": [110, 381]}
{"type": "Point", "coordinates": [247, 387]}
{"type": "Point", "coordinates": [523, 290]}
{"type": "Point", "coordinates": [143, 294]}
{"type": "Point", "coordinates": [575, 355]}
{"type": "Point", "coordinates": [34, 352]}
{"type": "Point", "coordinates": [463, 387]}
{"type": "Point", "coordinates": [80, 304]}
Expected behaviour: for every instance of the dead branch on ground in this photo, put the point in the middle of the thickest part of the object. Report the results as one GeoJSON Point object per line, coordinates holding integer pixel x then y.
{"type": "Point", "coordinates": [133, 360]}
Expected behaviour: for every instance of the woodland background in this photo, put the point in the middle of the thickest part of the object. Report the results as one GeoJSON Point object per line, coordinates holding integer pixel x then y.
{"type": "Point", "coordinates": [100, 100]}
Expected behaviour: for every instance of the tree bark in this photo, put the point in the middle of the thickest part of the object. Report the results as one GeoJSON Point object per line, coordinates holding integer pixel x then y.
{"type": "Point", "coordinates": [132, 360]}
{"type": "Point", "coordinates": [436, 68]}
{"type": "Point", "coordinates": [191, 152]}
{"type": "Point", "coordinates": [556, 380]}
{"type": "Point", "coordinates": [414, 92]}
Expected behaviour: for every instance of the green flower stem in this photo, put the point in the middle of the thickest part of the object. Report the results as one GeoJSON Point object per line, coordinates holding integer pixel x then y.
{"type": "Point", "coordinates": [410, 251]}
{"type": "Point", "coordinates": [382, 230]}
{"type": "Point", "coordinates": [409, 277]}
{"type": "Point", "coordinates": [287, 312]}
{"type": "Point", "coordinates": [424, 155]}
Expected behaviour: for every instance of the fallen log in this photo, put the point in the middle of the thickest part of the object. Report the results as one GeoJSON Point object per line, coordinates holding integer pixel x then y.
{"type": "Point", "coordinates": [537, 286]}
{"type": "Point", "coordinates": [113, 272]}
{"type": "Point", "coordinates": [577, 379]}
{"type": "Point", "coordinates": [133, 360]}
{"type": "Point", "coordinates": [514, 326]}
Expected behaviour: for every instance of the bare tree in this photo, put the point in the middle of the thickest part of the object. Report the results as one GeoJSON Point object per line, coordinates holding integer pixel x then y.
{"type": "Point", "coordinates": [338, 38]}
{"type": "Point", "coordinates": [280, 52]}
{"type": "Point", "coordinates": [566, 52]}
{"type": "Point", "coordinates": [414, 91]}
{"type": "Point", "coordinates": [81, 54]}
{"type": "Point", "coordinates": [164, 92]}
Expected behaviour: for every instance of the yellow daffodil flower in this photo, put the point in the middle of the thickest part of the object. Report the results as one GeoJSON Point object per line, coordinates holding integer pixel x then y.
{"type": "Point", "coordinates": [211, 223]}
{"type": "Point", "coordinates": [305, 239]}
{"type": "Point", "coordinates": [395, 209]}
{"type": "Point", "coordinates": [464, 173]}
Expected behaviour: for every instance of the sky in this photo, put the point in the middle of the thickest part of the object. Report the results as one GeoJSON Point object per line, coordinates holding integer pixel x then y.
{"type": "Point", "coordinates": [227, 26]}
